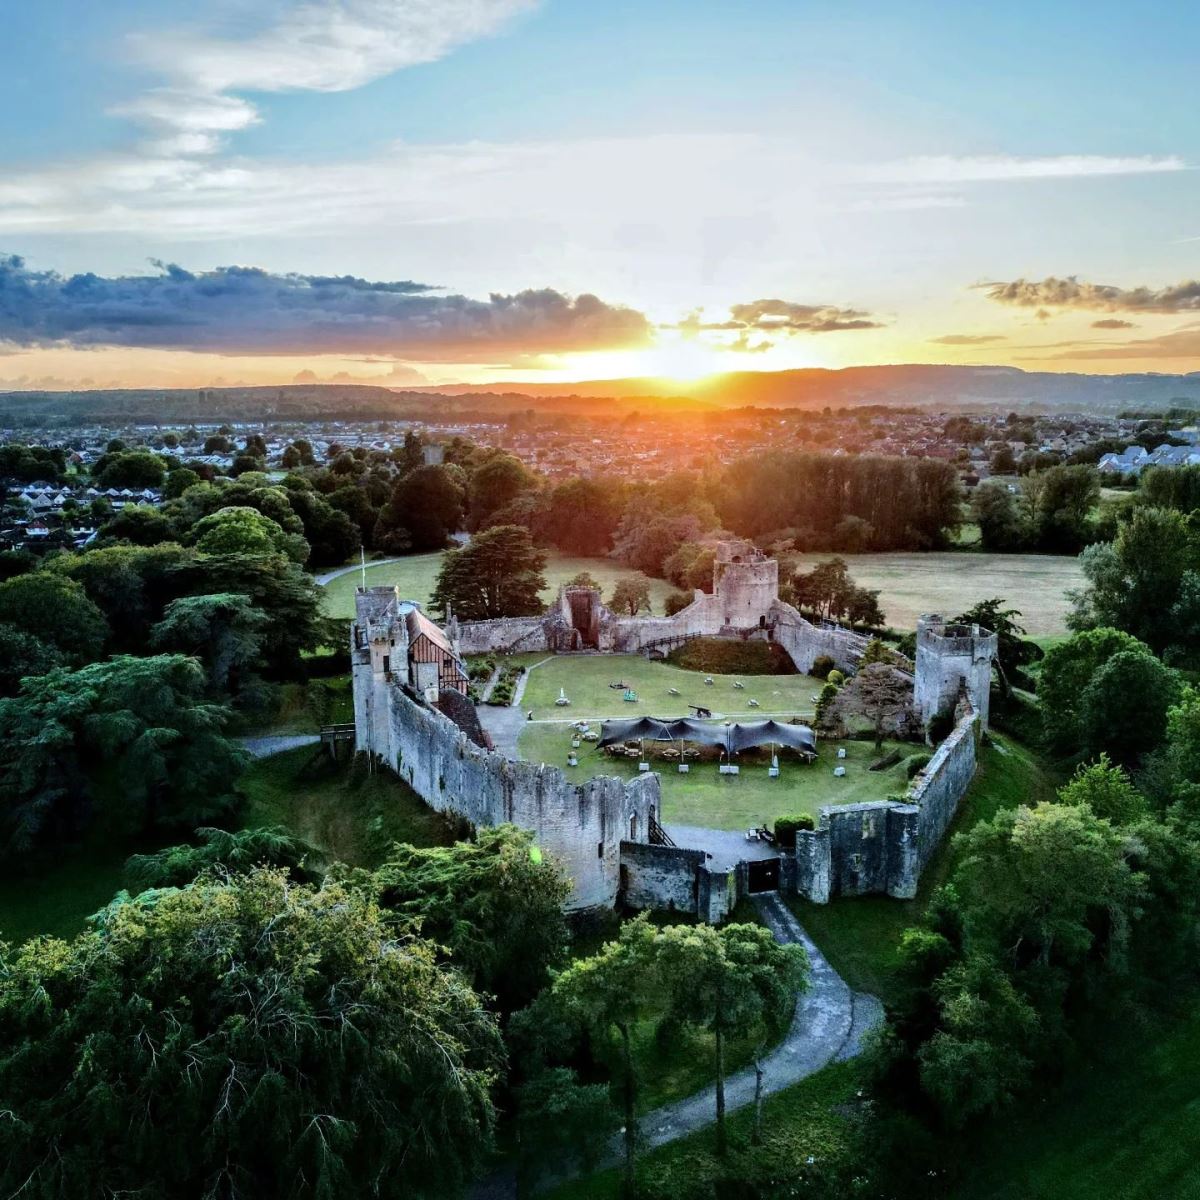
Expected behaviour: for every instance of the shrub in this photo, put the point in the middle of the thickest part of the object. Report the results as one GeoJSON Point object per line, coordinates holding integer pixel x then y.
{"type": "Point", "coordinates": [916, 764]}
{"type": "Point", "coordinates": [940, 726]}
{"type": "Point", "coordinates": [787, 827]}
{"type": "Point", "coordinates": [836, 677]}
{"type": "Point", "coordinates": [676, 602]}
{"type": "Point", "coordinates": [822, 665]}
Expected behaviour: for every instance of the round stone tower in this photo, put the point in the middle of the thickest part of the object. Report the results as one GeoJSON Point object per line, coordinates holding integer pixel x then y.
{"type": "Point", "coordinates": [950, 657]}
{"type": "Point", "coordinates": [746, 582]}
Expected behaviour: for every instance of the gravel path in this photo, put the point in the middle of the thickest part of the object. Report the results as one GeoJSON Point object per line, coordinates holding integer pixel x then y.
{"type": "Point", "coordinates": [328, 576]}
{"type": "Point", "coordinates": [264, 747]}
{"type": "Point", "coordinates": [829, 1024]}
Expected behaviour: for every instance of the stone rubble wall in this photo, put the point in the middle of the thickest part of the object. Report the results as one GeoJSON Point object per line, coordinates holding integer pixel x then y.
{"type": "Point", "coordinates": [676, 879]}
{"type": "Point", "coordinates": [806, 642]}
{"type": "Point", "coordinates": [507, 635]}
{"type": "Point", "coordinates": [882, 847]}
{"type": "Point", "coordinates": [581, 826]}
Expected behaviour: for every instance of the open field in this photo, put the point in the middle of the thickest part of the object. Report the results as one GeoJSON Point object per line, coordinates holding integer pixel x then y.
{"type": "Point", "coordinates": [909, 583]}
{"type": "Point", "coordinates": [702, 797]}
{"type": "Point", "coordinates": [417, 574]}
{"type": "Point", "coordinates": [949, 582]}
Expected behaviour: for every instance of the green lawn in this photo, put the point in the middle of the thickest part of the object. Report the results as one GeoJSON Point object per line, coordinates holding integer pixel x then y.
{"type": "Point", "coordinates": [948, 582]}
{"type": "Point", "coordinates": [859, 935]}
{"type": "Point", "coordinates": [1125, 1125]}
{"type": "Point", "coordinates": [586, 679]}
{"type": "Point", "coordinates": [417, 574]}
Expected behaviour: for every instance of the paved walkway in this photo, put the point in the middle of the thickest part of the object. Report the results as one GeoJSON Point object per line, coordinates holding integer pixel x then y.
{"type": "Point", "coordinates": [829, 1024]}
{"type": "Point", "coordinates": [504, 724]}
{"type": "Point", "coordinates": [264, 747]}
{"type": "Point", "coordinates": [328, 576]}
{"type": "Point", "coordinates": [725, 847]}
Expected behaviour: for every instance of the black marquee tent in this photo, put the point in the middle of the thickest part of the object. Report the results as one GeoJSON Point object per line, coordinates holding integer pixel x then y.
{"type": "Point", "coordinates": [730, 738]}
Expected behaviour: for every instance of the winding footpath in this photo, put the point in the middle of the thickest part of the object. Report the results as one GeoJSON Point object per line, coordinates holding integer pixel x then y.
{"type": "Point", "coordinates": [828, 1025]}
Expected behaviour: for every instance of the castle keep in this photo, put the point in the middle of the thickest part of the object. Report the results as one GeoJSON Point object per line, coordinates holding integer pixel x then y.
{"type": "Point", "coordinates": [411, 712]}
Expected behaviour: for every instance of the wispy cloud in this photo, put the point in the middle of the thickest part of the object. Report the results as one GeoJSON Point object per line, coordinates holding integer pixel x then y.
{"type": "Point", "coordinates": [1113, 323]}
{"type": "Point", "coordinates": [321, 45]}
{"type": "Point", "coordinates": [968, 339]}
{"type": "Point", "coordinates": [1073, 293]}
{"type": "Point", "coordinates": [1004, 168]}
{"type": "Point", "coordinates": [243, 310]}
{"type": "Point", "coordinates": [1180, 345]}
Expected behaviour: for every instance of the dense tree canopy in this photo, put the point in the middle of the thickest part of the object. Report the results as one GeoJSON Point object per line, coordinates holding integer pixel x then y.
{"type": "Point", "coordinates": [131, 739]}
{"type": "Point", "coordinates": [499, 573]}
{"type": "Point", "coordinates": [241, 1037]}
{"type": "Point", "coordinates": [57, 611]}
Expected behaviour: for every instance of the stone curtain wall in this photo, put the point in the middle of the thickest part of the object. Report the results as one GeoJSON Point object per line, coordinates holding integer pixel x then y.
{"type": "Point", "coordinates": [882, 847]}
{"type": "Point", "coordinates": [511, 635]}
{"type": "Point", "coordinates": [581, 826]}
{"type": "Point", "coordinates": [675, 879]}
{"type": "Point", "coordinates": [806, 642]}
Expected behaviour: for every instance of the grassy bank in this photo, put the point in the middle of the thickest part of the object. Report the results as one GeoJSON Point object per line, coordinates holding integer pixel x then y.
{"type": "Point", "coordinates": [859, 935]}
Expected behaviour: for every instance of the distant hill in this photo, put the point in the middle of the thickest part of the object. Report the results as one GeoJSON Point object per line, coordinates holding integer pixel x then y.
{"type": "Point", "coordinates": [941, 387]}
{"type": "Point", "coordinates": [919, 384]}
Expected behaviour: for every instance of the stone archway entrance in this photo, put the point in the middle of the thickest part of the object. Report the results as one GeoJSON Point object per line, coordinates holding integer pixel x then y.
{"type": "Point", "coordinates": [762, 875]}
{"type": "Point", "coordinates": [583, 605]}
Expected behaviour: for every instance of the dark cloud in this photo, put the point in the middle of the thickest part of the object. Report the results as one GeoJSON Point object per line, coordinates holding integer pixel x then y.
{"type": "Point", "coordinates": [784, 316]}
{"type": "Point", "coordinates": [1113, 323]}
{"type": "Point", "coordinates": [244, 310]}
{"type": "Point", "coordinates": [968, 339]}
{"type": "Point", "coordinates": [1073, 292]}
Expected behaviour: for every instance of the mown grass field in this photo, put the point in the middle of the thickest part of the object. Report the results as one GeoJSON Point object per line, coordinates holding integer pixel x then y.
{"type": "Point", "coordinates": [949, 582]}
{"type": "Point", "coordinates": [417, 574]}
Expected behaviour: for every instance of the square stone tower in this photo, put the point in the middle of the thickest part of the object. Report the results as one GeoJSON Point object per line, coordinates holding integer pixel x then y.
{"type": "Point", "coordinates": [746, 584]}
{"type": "Point", "coordinates": [950, 657]}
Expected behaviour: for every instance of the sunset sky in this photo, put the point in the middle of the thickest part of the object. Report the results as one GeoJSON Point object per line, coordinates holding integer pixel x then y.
{"type": "Point", "coordinates": [407, 191]}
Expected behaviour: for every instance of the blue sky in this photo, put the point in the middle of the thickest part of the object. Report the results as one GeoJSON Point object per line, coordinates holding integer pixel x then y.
{"type": "Point", "coordinates": [677, 161]}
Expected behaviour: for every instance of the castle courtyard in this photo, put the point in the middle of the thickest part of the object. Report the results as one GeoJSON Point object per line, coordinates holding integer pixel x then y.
{"type": "Point", "coordinates": [703, 796]}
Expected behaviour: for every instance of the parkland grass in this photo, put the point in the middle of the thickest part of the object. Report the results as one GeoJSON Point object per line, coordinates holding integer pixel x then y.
{"type": "Point", "coordinates": [416, 576]}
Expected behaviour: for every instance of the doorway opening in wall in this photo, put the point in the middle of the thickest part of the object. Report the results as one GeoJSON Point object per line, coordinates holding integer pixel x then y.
{"type": "Point", "coordinates": [585, 617]}
{"type": "Point", "coordinates": [762, 875]}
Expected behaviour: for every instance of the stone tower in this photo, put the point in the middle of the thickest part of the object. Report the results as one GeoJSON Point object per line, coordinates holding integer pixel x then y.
{"type": "Point", "coordinates": [950, 657]}
{"type": "Point", "coordinates": [746, 582]}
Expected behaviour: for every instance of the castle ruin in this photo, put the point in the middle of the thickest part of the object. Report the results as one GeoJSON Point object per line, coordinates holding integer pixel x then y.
{"type": "Point", "coordinates": [409, 683]}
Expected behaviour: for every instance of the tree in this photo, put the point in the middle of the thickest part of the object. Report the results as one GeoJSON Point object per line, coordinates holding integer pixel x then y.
{"type": "Point", "coordinates": [129, 469]}
{"type": "Point", "coordinates": [293, 1048]}
{"type": "Point", "coordinates": [676, 602]}
{"type": "Point", "coordinates": [179, 480]}
{"type": "Point", "coordinates": [494, 905]}
{"type": "Point", "coordinates": [221, 629]}
{"type": "Point", "coordinates": [1106, 789]}
{"type": "Point", "coordinates": [583, 579]}
{"type": "Point", "coordinates": [1004, 462]}
{"type": "Point", "coordinates": [1132, 681]}
{"type": "Point", "coordinates": [427, 504]}
{"type": "Point", "coordinates": [631, 594]}
{"type": "Point", "coordinates": [876, 652]}
{"type": "Point", "coordinates": [880, 694]}
{"type": "Point", "coordinates": [581, 516]}
{"type": "Point", "coordinates": [1067, 670]}
{"type": "Point", "coordinates": [1013, 649]}
{"type": "Point", "coordinates": [1061, 501]}
{"type": "Point", "coordinates": [558, 1116]}
{"type": "Point", "coordinates": [242, 530]}
{"type": "Point", "coordinates": [494, 485]}
{"type": "Point", "coordinates": [979, 1057]}
{"type": "Point", "coordinates": [728, 980]}
{"type": "Point", "coordinates": [23, 654]}
{"type": "Point", "coordinates": [139, 524]}
{"type": "Point", "coordinates": [56, 611]}
{"type": "Point", "coordinates": [222, 852]}
{"type": "Point", "coordinates": [609, 993]}
{"type": "Point", "coordinates": [1145, 582]}
{"type": "Point", "coordinates": [131, 737]}
{"type": "Point", "coordinates": [1041, 885]}
{"type": "Point", "coordinates": [1003, 525]}
{"type": "Point", "coordinates": [645, 540]}
{"type": "Point", "coordinates": [499, 573]}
